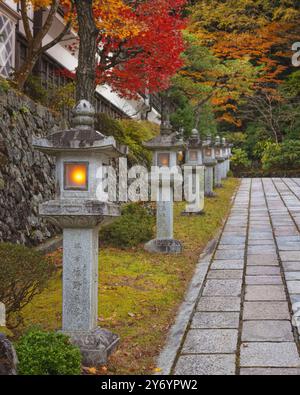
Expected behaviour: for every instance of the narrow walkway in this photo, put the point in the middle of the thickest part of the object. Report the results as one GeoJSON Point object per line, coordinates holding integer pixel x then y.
{"type": "Point", "coordinates": [243, 322]}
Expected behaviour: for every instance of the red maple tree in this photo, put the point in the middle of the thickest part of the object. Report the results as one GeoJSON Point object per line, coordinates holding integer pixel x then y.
{"type": "Point", "coordinates": [147, 61]}
{"type": "Point", "coordinates": [143, 61]}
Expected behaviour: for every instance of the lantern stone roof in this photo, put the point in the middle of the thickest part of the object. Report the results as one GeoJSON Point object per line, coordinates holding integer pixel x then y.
{"type": "Point", "coordinates": [219, 156]}
{"type": "Point", "coordinates": [218, 143]}
{"type": "Point", "coordinates": [81, 136]}
{"type": "Point", "coordinates": [208, 143]}
{"type": "Point", "coordinates": [166, 140]}
{"type": "Point", "coordinates": [224, 142]}
{"type": "Point", "coordinates": [194, 140]}
{"type": "Point", "coordinates": [79, 140]}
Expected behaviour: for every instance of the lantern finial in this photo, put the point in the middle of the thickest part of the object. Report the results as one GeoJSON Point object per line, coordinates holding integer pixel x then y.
{"type": "Point", "coordinates": [166, 128]}
{"type": "Point", "coordinates": [83, 115]}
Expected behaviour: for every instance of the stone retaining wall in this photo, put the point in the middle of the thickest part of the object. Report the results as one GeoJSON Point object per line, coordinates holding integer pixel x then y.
{"type": "Point", "coordinates": [26, 176]}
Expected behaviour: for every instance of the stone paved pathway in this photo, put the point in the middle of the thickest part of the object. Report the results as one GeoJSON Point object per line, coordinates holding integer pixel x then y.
{"type": "Point", "coordinates": [242, 323]}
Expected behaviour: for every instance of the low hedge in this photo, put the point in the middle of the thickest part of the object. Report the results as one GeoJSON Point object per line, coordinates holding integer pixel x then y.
{"type": "Point", "coordinates": [24, 273]}
{"type": "Point", "coordinates": [135, 226]}
{"type": "Point", "coordinates": [47, 353]}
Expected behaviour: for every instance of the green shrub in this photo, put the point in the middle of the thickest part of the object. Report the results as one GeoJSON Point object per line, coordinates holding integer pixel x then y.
{"type": "Point", "coordinates": [57, 98]}
{"type": "Point", "coordinates": [47, 353]}
{"type": "Point", "coordinates": [135, 133]}
{"type": "Point", "coordinates": [283, 156]}
{"type": "Point", "coordinates": [239, 160]}
{"type": "Point", "coordinates": [131, 133]}
{"type": "Point", "coordinates": [238, 139]}
{"type": "Point", "coordinates": [24, 273]}
{"type": "Point", "coordinates": [63, 98]}
{"type": "Point", "coordinates": [4, 85]}
{"type": "Point", "coordinates": [135, 226]}
{"type": "Point", "coordinates": [35, 90]}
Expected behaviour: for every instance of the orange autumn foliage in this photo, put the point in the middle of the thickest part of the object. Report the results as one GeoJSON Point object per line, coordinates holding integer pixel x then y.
{"type": "Point", "coordinates": [113, 17]}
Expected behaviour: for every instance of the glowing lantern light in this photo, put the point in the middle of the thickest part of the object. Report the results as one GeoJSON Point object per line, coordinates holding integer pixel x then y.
{"type": "Point", "coordinates": [164, 159]}
{"type": "Point", "coordinates": [208, 152]}
{"type": "Point", "coordinates": [76, 176]}
{"type": "Point", "coordinates": [193, 156]}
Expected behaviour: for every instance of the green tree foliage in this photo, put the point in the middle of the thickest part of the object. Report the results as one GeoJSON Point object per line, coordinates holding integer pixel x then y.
{"type": "Point", "coordinates": [261, 101]}
{"type": "Point", "coordinates": [211, 83]}
{"type": "Point", "coordinates": [184, 116]}
{"type": "Point", "coordinates": [235, 16]}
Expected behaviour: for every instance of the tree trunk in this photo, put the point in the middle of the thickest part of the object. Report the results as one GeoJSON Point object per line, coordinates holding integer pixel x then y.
{"type": "Point", "coordinates": [166, 127]}
{"type": "Point", "coordinates": [21, 76]}
{"type": "Point", "coordinates": [35, 38]}
{"type": "Point", "coordinates": [197, 114]}
{"type": "Point", "coordinates": [88, 33]}
{"type": "Point", "coordinates": [37, 27]}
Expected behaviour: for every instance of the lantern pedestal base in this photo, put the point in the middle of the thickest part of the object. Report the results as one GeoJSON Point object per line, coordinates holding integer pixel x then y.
{"type": "Point", "coordinates": [95, 346]}
{"type": "Point", "coordinates": [210, 195]}
{"type": "Point", "coordinates": [192, 213]}
{"type": "Point", "coordinates": [165, 246]}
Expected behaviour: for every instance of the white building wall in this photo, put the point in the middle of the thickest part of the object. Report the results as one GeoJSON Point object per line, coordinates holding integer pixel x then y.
{"type": "Point", "coordinates": [63, 55]}
{"type": "Point", "coordinates": [12, 4]}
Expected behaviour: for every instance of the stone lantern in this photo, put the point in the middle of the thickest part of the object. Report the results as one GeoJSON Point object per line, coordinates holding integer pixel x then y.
{"type": "Point", "coordinates": [194, 159]}
{"type": "Point", "coordinates": [165, 148]}
{"type": "Point", "coordinates": [209, 161]}
{"type": "Point", "coordinates": [81, 154]}
{"type": "Point", "coordinates": [225, 153]}
{"type": "Point", "coordinates": [219, 168]}
{"type": "Point", "coordinates": [229, 156]}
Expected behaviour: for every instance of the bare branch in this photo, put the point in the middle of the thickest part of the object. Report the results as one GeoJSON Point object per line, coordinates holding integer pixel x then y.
{"type": "Point", "coordinates": [25, 21]}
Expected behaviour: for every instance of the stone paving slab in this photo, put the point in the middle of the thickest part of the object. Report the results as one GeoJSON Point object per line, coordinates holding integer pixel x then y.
{"type": "Point", "coordinates": [292, 276]}
{"type": "Point", "coordinates": [261, 249]}
{"type": "Point", "coordinates": [224, 265]}
{"type": "Point", "coordinates": [215, 320]}
{"type": "Point", "coordinates": [230, 247]}
{"type": "Point", "coordinates": [261, 236]}
{"type": "Point", "coordinates": [290, 256]}
{"type": "Point", "coordinates": [242, 322]}
{"type": "Point", "coordinates": [263, 271]}
{"type": "Point", "coordinates": [289, 247]}
{"type": "Point", "coordinates": [262, 259]}
{"type": "Point", "coordinates": [206, 365]}
{"type": "Point", "coordinates": [263, 280]}
{"type": "Point", "coordinates": [230, 240]}
{"type": "Point", "coordinates": [223, 288]}
{"type": "Point", "coordinates": [293, 287]}
{"type": "Point", "coordinates": [221, 254]}
{"type": "Point", "coordinates": [266, 311]}
{"type": "Point", "coordinates": [226, 274]}
{"type": "Point", "coordinates": [267, 331]}
{"type": "Point", "coordinates": [265, 292]}
{"type": "Point", "coordinates": [269, 355]}
{"type": "Point", "coordinates": [211, 341]}
{"type": "Point", "coordinates": [259, 242]}
{"type": "Point", "coordinates": [219, 304]}
{"type": "Point", "coordinates": [270, 372]}
{"type": "Point", "coordinates": [291, 266]}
